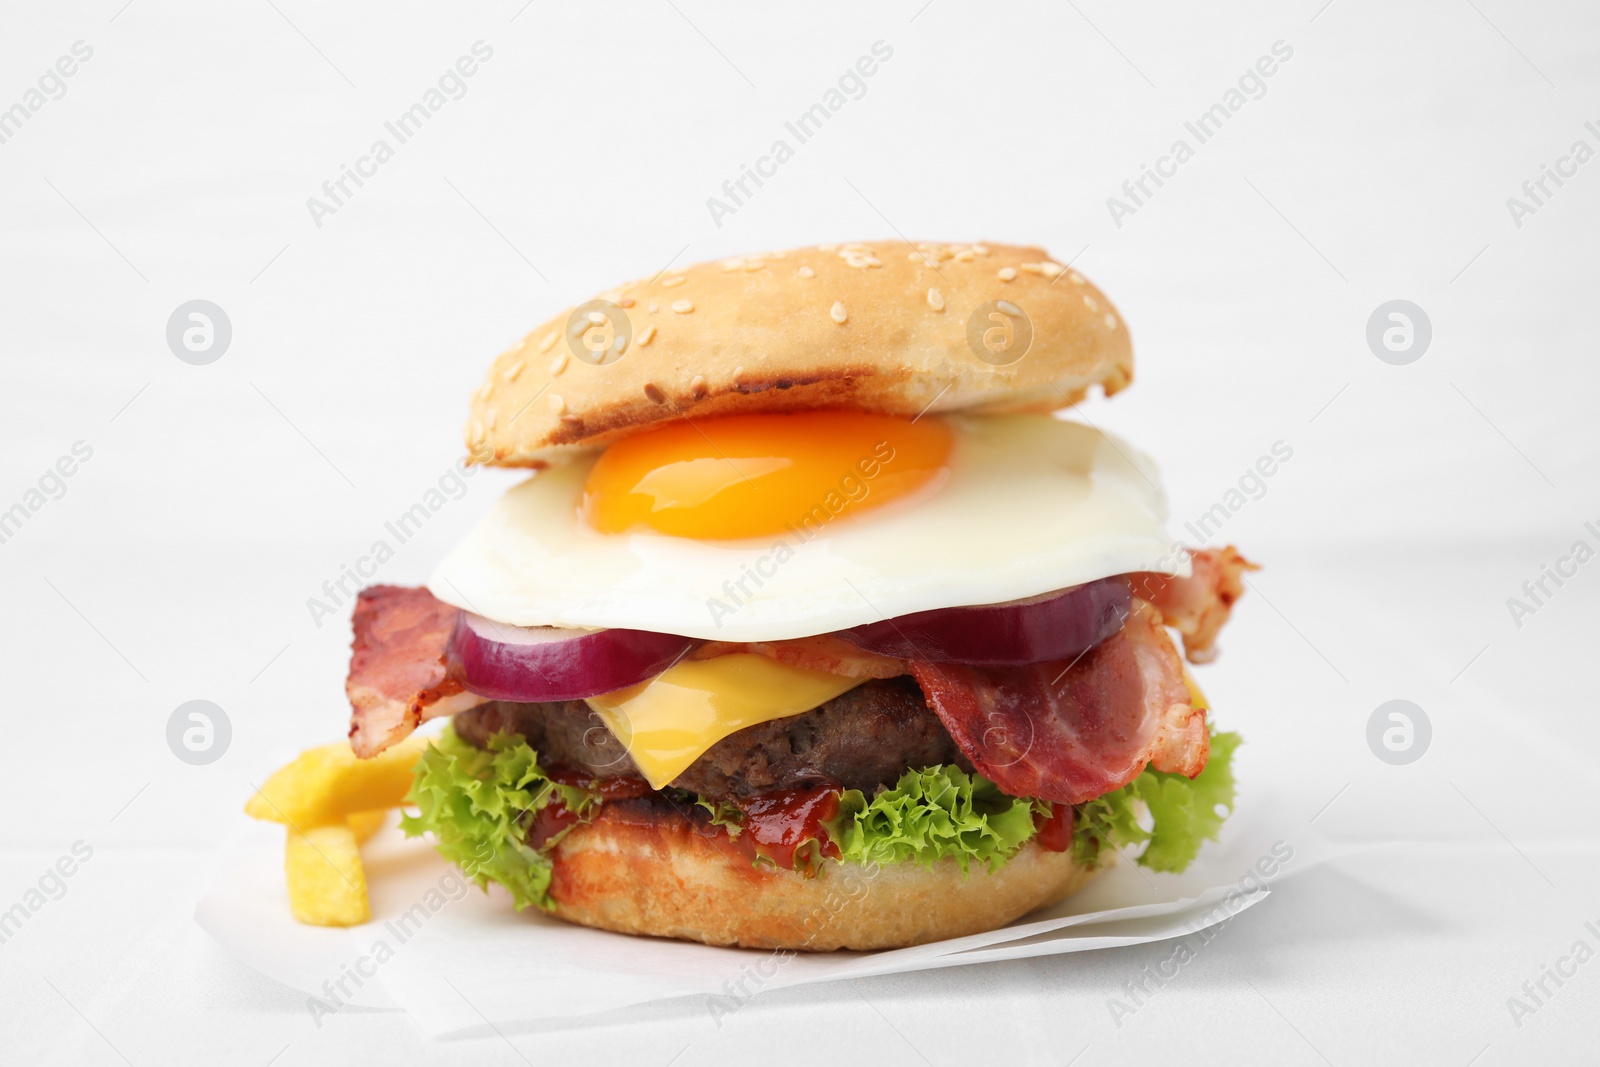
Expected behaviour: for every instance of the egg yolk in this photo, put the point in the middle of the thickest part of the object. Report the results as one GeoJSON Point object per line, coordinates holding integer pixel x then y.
{"type": "Point", "coordinates": [753, 475]}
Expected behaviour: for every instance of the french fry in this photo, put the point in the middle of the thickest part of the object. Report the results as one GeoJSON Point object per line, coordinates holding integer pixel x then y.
{"type": "Point", "coordinates": [363, 824]}
{"type": "Point", "coordinates": [332, 802]}
{"type": "Point", "coordinates": [327, 885]}
{"type": "Point", "coordinates": [325, 785]}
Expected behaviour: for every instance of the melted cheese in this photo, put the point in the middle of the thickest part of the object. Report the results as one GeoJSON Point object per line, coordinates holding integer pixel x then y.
{"type": "Point", "coordinates": [671, 720]}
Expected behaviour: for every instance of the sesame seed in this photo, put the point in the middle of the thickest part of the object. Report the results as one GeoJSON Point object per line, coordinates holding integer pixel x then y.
{"type": "Point", "coordinates": [838, 313]}
{"type": "Point", "coordinates": [493, 418]}
{"type": "Point", "coordinates": [738, 372]}
{"type": "Point", "coordinates": [1088, 302]}
{"type": "Point", "coordinates": [806, 272]}
{"type": "Point", "coordinates": [654, 393]}
{"type": "Point", "coordinates": [754, 265]}
{"type": "Point", "coordinates": [1033, 268]}
{"type": "Point", "coordinates": [676, 279]}
{"type": "Point", "coordinates": [626, 302]}
{"type": "Point", "coordinates": [1052, 270]}
{"type": "Point", "coordinates": [510, 374]}
{"type": "Point", "coordinates": [980, 249]}
{"type": "Point", "coordinates": [647, 335]}
{"type": "Point", "coordinates": [697, 387]}
{"type": "Point", "coordinates": [935, 300]}
{"type": "Point", "coordinates": [682, 307]}
{"type": "Point", "coordinates": [1008, 308]}
{"type": "Point", "coordinates": [1007, 273]}
{"type": "Point", "coordinates": [597, 318]}
{"type": "Point", "coordinates": [558, 364]}
{"type": "Point", "coordinates": [475, 433]}
{"type": "Point", "coordinates": [732, 264]}
{"type": "Point", "coordinates": [1111, 321]}
{"type": "Point", "coordinates": [966, 255]}
{"type": "Point", "coordinates": [548, 342]}
{"type": "Point", "coordinates": [521, 345]}
{"type": "Point", "coordinates": [654, 307]}
{"type": "Point", "coordinates": [557, 404]}
{"type": "Point", "coordinates": [1077, 279]}
{"type": "Point", "coordinates": [863, 262]}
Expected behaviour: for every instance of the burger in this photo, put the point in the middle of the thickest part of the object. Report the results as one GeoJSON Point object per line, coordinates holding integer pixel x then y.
{"type": "Point", "coordinates": [813, 627]}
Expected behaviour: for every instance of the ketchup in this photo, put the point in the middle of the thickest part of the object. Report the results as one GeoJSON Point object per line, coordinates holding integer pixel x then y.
{"type": "Point", "coordinates": [626, 787]}
{"type": "Point", "coordinates": [777, 825]}
{"type": "Point", "coordinates": [549, 821]}
{"type": "Point", "coordinates": [1054, 831]}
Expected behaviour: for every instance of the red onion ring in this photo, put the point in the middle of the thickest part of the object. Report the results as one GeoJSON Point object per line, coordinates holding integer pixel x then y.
{"type": "Point", "coordinates": [1060, 625]}
{"type": "Point", "coordinates": [534, 664]}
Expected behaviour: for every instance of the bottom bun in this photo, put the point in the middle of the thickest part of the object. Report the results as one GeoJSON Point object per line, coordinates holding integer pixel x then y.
{"type": "Point", "coordinates": [640, 869]}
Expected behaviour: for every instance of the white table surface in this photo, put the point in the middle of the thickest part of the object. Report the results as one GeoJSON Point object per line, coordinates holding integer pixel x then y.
{"type": "Point", "coordinates": [1377, 165]}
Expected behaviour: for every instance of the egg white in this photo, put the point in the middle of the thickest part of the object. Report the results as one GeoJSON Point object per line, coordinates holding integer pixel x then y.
{"type": "Point", "coordinates": [1031, 504]}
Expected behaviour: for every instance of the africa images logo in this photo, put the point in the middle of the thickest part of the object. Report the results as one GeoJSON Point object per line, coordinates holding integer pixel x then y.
{"type": "Point", "coordinates": [999, 332]}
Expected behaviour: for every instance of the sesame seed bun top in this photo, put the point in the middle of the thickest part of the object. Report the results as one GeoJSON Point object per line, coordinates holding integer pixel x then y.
{"type": "Point", "coordinates": [884, 326]}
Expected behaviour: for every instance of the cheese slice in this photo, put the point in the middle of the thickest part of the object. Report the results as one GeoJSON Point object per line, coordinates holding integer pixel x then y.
{"type": "Point", "coordinates": [671, 720]}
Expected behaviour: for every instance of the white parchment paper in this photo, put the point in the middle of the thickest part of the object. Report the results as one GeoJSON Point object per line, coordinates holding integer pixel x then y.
{"type": "Point", "coordinates": [459, 961]}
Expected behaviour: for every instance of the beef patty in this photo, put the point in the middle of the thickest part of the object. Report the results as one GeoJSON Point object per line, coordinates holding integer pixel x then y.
{"type": "Point", "coordinates": [861, 739]}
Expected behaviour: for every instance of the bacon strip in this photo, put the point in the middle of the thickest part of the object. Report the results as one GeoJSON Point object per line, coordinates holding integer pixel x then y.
{"type": "Point", "coordinates": [825, 652]}
{"type": "Point", "coordinates": [1070, 732]}
{"type": "Point", "coordinates": [1197, 606]}
{"type": "Point", "coordinates": [397, 671]}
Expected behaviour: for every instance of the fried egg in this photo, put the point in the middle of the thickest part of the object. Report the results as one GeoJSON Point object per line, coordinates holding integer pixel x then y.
{"type": "Point", "coordinates": [766, 528]}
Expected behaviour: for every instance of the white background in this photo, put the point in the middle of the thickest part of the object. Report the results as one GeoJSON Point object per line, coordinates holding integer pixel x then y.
{"type": "Point", "coordinates": [219, 498]}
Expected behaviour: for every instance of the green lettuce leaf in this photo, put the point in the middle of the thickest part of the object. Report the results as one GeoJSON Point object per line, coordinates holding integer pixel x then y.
{"type": "Point", "coordinates": [722, 812]}
{"type": "Point", "coordinates": [933, 814]}
{"type": "Point", "coordinates": [1183, 813]}
{"type": "Point", "coordinates": [477, 802]}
